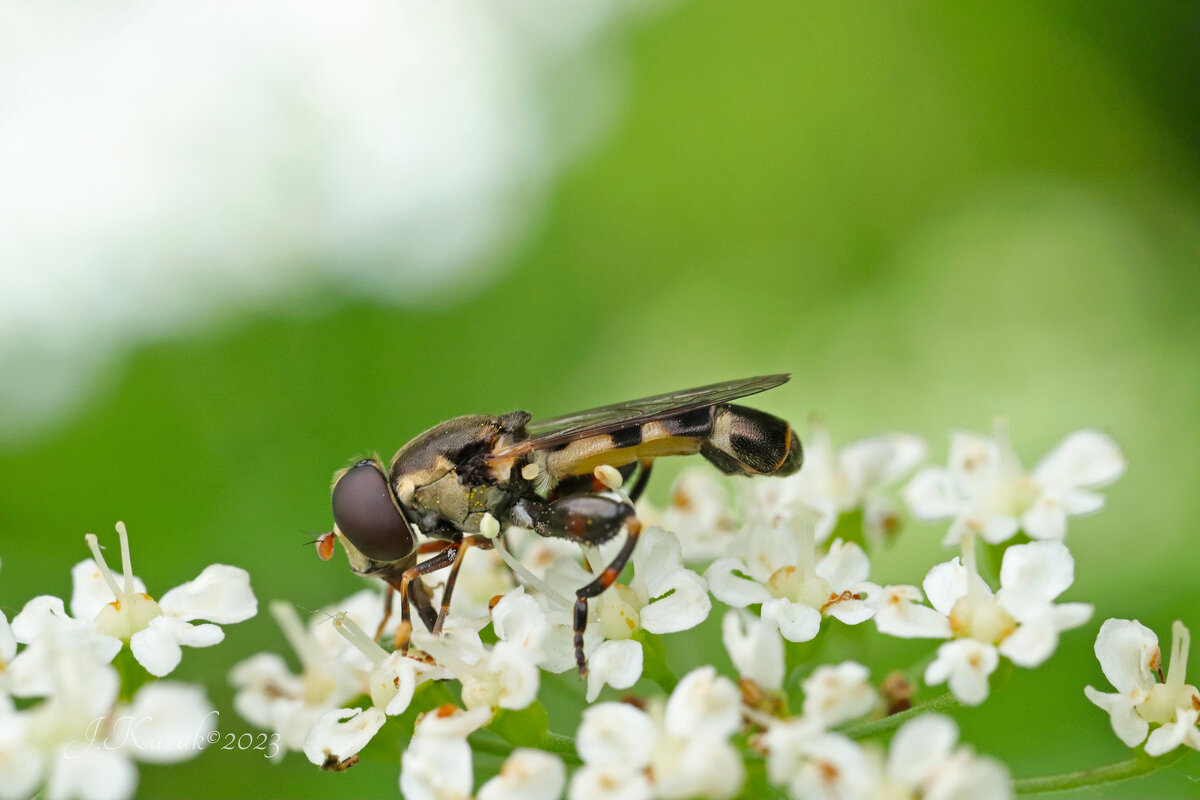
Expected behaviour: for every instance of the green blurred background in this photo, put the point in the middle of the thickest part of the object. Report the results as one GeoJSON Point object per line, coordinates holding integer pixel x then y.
{"type": "Point", "coordinates": [929, 213]}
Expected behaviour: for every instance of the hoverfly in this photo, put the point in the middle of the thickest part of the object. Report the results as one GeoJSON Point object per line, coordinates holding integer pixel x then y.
{"type": "Point", "coordinates": [537, 475]}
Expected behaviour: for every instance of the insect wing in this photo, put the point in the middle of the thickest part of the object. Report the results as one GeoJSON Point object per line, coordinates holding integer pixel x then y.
{"type": "Point", "coordinates": [549, 433]}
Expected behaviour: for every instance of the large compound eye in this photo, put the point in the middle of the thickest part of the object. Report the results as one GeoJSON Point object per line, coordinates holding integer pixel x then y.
{"type": "Point", "coordinates": [365, 513]}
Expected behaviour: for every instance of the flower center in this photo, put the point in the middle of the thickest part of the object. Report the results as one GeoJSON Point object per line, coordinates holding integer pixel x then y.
{"type": "Point", "coordinates": [1166, 698]}
{"type": "Point", "coordinates": [793, 584]}
{"type": "Point", "coordinates": [1012, 497]}
{"type": "Point", "coordinates": [131, 610]}
{"type": "Point", "coordinates": [981, 619]}
{"type": "Point", "coordinates": [619, 618]}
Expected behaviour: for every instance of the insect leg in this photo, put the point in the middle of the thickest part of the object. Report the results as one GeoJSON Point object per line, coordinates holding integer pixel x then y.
{"type": "Point", "coordinates": [424, 603]}
{"type": "Point", "coordinates": [601, 583]}
{"type": "Point", "coordinates": [441, 560]}
{"type": "Point", "coordinates": [586, 519]}
{"type": "Point", "coordinates": [467, 542]}
{"type": "Point", "coordinates": [643, 478]}
{"type": "Point", "coordinates": [387, 611]}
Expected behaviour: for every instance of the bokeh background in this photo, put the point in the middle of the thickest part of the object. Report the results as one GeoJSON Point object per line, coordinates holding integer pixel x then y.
{"type": "Point", "coordinates": [240, 247]}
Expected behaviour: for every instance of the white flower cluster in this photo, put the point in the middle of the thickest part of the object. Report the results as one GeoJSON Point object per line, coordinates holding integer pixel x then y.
{"type": "Point", "coordinates": [76, 731]}
{"type": "Point", "coordinates": [791, 561]}
{"type": "Point", "coordinates": [79, 703]}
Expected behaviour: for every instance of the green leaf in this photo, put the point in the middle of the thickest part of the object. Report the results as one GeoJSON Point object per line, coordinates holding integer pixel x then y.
{"type": "Point", "coordinates": [524, 728]}
{"type": "Point", "coordinates": [654, 660]}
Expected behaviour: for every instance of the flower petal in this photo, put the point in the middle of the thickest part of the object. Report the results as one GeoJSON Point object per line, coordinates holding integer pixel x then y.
{"type": "Point", "coordinates": [967, 664]}
{"type": "Point", "coordinates": [933, 494]}
{"type": "Point", "coordinates": [518, 619]}
{"type": "Point", "coordinates": [920, 748]}
{"type": "Point", "coordinates": [96, 773]}
{"type": "Point", "coordinates": [685, 607]}
{"type": "Point", "coordinates": [434, 768]}
{"type": "Point", "coordinates": [704, 703]}
{"type": "Point", "coordinates": [527, 775]}
{"type": "Point", "coordinates": [615, 663]}
{"type": "Point", "coordinates": [946, 582]}
{"type": "Point", "coordinates": [834, 694]}
{"type": "Point", "coordinates": [1125, 649]}
{"type": "Point", "coordinates": [156, 648]}
{"type": "Point", "coordinates": [8, 642]}
{"type": "Point", "coordinates": [1085, 459]}
{"type": "Point", "coordinates": [609, 781]}
{"type": "Point", "coordinates": [754, 647]}
{"type": "Point", "coordinates": [1174, 733]}
{"type": "Point", "coordinates": [341, 733]}
{"type": "Point", "coordinates": [1032, 575]}
{"type": "Point", "coordinates": [171, 722]}
{"type": "Point", "coordinates": [616, 733]}
{"type": "Point", "coordinates": [1127, 724]}
{"type": "Point", "coordinates": [726, 583]}
{"type": "Point", "coordinates": [845, 565]}
{"type": "Point", "coordinates": [797, 622]}
{"type": "Point", "coordinates": [897, 614]}
{"type": "Point", "coordinates": [655, 561]}
{"type": "Point", "coordinates": [220, 593]}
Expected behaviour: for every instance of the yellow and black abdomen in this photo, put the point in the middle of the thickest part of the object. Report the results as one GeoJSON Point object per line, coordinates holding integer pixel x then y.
{"type": "Point", "coordinates": [746, 441]}
{"type": "Point", "coordinates": [737, 440]}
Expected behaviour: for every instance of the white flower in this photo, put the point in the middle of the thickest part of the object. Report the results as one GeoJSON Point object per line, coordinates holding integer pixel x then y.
{"type": "Point", "coordinates": [82, 744]}
{"type": "Point", "coordinates": [755, 648]}
{"type": "Point", "coordinates": [679, 751]}
{"type": "Point", "coordinates": [527, 775]}
{"type": "Point", "coordinates": [437, 763]}
{"type": "Point", "coordinates": [662, 597]}
{"type": "Point", "coordinates": [986, 492]}
{"type": "Point", "coordinates": [504, 675]}
{"type": "Point", "coordinates": [698, 513]}
{"type": "Point", "coordinates": [832, 483]}
{"type": "Point", "coordinates": [1129, 657]}
{"type": "Point", "coordinates": [780, 570]}
{"type": "Point", "coordinates": [20, 760]}
{"type": "Point", "coordinates": [834, 694]}
{"type": "Point", "coordinates": [156, 630]}
{"type": "Point", "coordinates": [898, 613]}
{"type": "Point", "coordinates": [46, 629]}
{"type": "Point", "coordinates": [270, 696]}
{"type": "Point", "coordinates": [1020, 622]}
{"type": "Point", "coordinates": [922, 762]}
{"type": "Point", "coordinates": [340, 733]}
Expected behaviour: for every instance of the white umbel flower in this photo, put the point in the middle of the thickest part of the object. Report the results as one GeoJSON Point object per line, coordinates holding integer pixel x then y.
{"type": "Point", "coordinates": [985, 491]}
{"type": "Point", "coordinates": [340, 733]}
{"type": "Point", "coordinates": [834, 482]}
{"type": "Point", "coordinates": [156, 630]}
{"type": "Point", "coordinates": [678, 751]}
{"type": "Point", "coordinates": [437, 764]}
{"type": "Point", "coordinates": [922, 761]}
{"type": "Point", "coordinates": [1020, 622]}
{"type": "Point", "coordinates": [781, 570]}
{"type": "Point", "coordinates": [755, 648]}
{"type": "Point", "coordinates": [527, 775]}
{"type": "Point", "coordinates": [698, 513]}
{"type": "Point", "coordinates": [837, 693]}
{"type": "Point", "coordinates": [1129, 656]}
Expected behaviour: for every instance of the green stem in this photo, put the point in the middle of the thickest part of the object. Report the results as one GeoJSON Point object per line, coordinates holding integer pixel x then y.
{"type": "Point", "coordinates": [942, 702]}
{"type": "Point", "coordinates": [1139, 765]}
{"type": "Point", "coordinates": [557, 743]}
{"type": "Point", "coordinates": [552, 743]}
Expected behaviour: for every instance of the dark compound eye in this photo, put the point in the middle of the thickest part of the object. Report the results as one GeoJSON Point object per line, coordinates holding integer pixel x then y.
{"type": "Point", "coordinates": [365, 513]}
